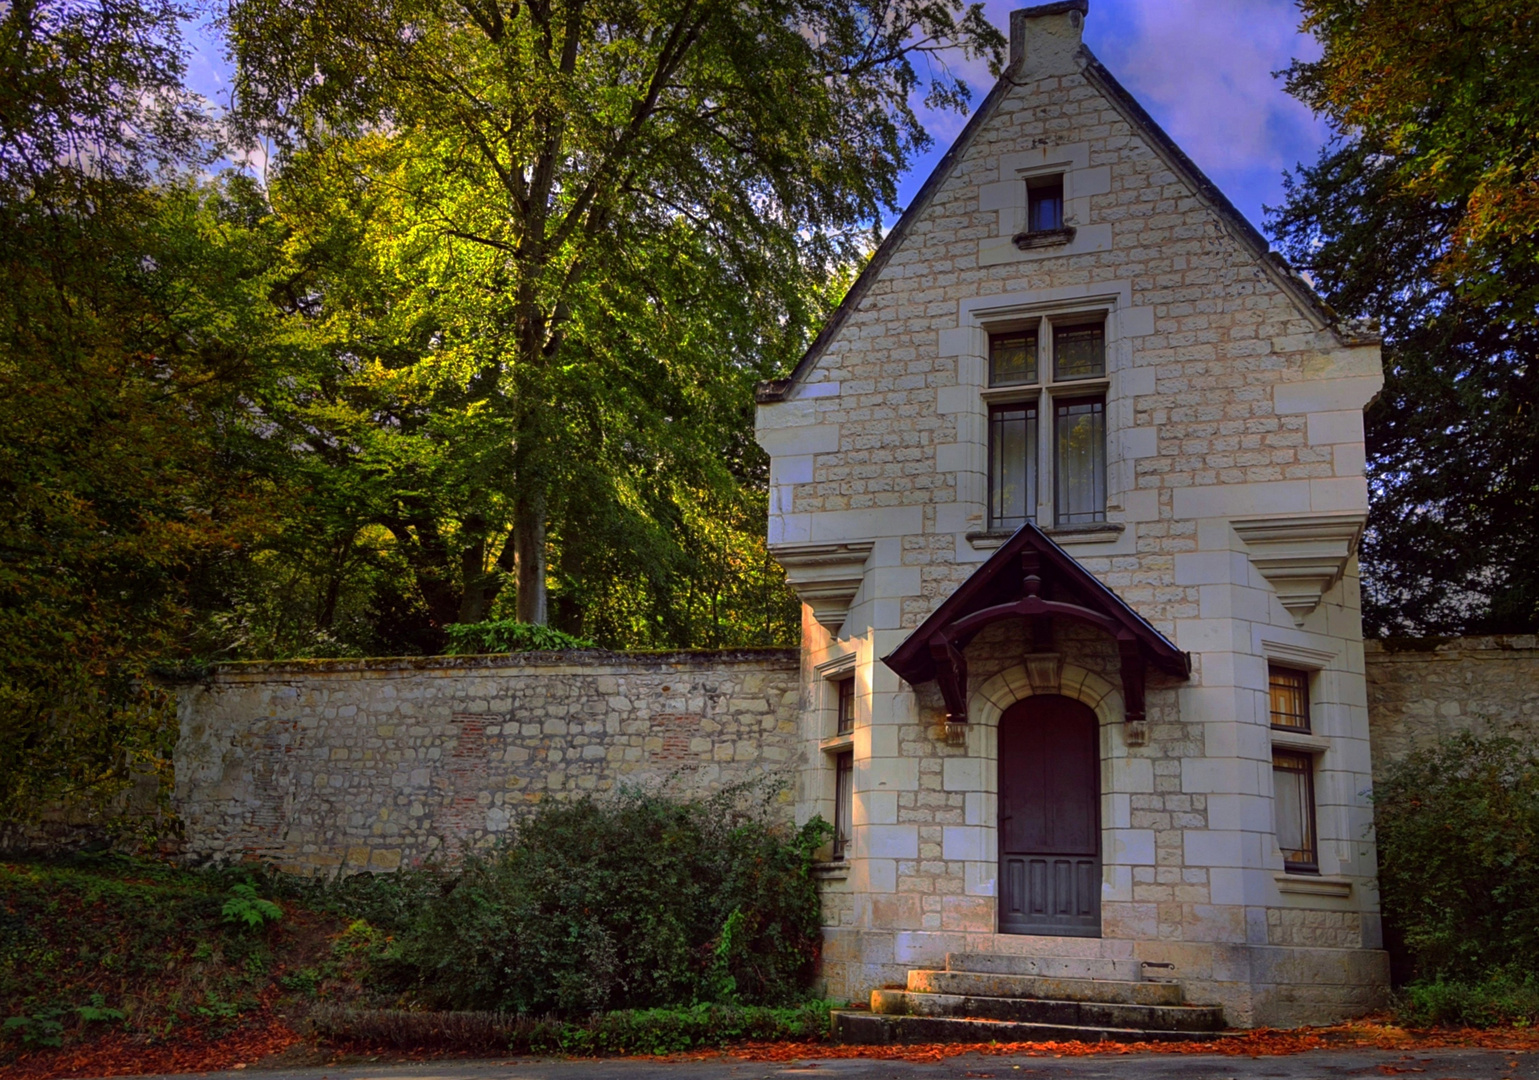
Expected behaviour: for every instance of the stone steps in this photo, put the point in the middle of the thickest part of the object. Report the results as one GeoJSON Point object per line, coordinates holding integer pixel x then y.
{"type": "Point", "coordinates": [1059, 1013]}
{"type": "Point", "coordinates": [987, 984]}
{"type": "Point", "coordinates": [1053, 967]}
{"type": "Point", "coordinates": [874, 1029]}
{"type": "Point", "coordinates": [985, 997]}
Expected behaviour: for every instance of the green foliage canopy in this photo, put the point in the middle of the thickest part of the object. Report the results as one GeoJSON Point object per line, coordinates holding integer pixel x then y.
{"type": "Point", "coordinates": [578, 222]}
{"type": "Point", "coordinates": [1421, 215]}
{"type": "Point", "coordinates": [1451, 92]}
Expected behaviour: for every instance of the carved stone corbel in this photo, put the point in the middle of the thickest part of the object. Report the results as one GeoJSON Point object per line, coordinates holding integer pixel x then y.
{"type": "Point", "coordinates": [1045, 670]}
{"type": "Point", "coordinates": [1135, 726]}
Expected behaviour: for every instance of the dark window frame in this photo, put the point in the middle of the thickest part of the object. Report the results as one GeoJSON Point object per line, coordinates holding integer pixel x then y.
{"type": "Point", "coordinates": [1303, 860]}
{"type": "Point", "coordinates": [1030, 340]}
{"type": "Point", "coordinates": [1279, 677]}
{"type": "Point", "coordinates": [1044, 204]}
{"type": "Point", "coordinates": [844, 803]}
{"type": "Point", "coordinates": [844, 705]}
{"type": "Point", "coordinates": [1063, 330]}
{"type": "Point", "coordinates": [1033, 467]}
{"type": "Point", "coordinates": [1060, 517]}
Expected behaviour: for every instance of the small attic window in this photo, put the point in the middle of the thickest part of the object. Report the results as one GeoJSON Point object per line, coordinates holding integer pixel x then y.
{"type": "Point", "coordinates": [1044, 204]}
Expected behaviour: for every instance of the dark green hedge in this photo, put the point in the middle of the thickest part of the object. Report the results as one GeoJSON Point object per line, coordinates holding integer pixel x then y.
{"type": "Point", "coordinates": [633, 902]}
{"type": "Point", "coordinates": [1458, 840]}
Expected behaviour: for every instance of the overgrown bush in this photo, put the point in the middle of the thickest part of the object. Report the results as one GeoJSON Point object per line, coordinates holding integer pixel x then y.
{"type": "Point", "coordinates": [508, 635]}
{"type": "Point", "coordinates": [1502, 997]}
{"type": "Point", "coordinates": [1458, 840]}
{"type": "Point", "coordinates": [637, 901]}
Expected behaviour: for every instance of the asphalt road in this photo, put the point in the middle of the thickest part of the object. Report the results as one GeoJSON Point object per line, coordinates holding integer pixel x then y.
{"type": "Point", "coordinates": [1420, 1065]}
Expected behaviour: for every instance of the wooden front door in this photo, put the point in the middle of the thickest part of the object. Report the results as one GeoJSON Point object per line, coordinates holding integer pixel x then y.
{"type": "Point", "coordinates": [1049, 818]}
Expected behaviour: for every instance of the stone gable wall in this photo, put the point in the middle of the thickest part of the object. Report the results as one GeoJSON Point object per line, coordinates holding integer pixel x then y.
{"type": "Point", "coordinates": [1486, 685]}
{"type": "Point", "coordinates": [375, 764]}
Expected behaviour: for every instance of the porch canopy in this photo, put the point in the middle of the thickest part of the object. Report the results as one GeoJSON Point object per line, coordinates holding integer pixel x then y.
{"type": "Point", "coordinates": [1029, 577]}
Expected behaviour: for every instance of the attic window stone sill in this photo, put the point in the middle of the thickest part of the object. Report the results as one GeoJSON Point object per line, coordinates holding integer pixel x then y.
{"type": "Point", "coordinates": [1029, 241]}
{"type": "Point", "coordinates": [831, 871]}
{"type": "Point", "coordinates": [1101, 532]}
{"type": "Point", "coordinates": [1314, 885]}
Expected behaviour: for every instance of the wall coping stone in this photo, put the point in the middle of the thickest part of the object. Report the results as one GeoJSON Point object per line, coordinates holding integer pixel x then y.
{"type": "Point", "coordinates": [1411, 648]}
{"type": "Point", "coordinates": [571, 658]}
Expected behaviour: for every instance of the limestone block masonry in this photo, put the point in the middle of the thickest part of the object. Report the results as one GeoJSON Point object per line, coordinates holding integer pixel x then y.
{"type": "Point", "coordinates": [1419, 694]}
{"type": "Point", "coordinates": [1228, 506]}
{"type": "Point", "coordinates": [350, 765]}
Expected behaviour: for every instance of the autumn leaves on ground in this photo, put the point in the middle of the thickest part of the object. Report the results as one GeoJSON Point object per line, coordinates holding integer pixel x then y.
{"type": "Point", "coordinates": [123, 967]}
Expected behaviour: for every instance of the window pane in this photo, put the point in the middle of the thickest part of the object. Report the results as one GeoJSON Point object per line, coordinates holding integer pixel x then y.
{"type": "Point", "coordinates": [1294, 799]}
{"type": "Point", "coordinates": [1044, 205]}
{"type": "Point", "coordinates": [846, 705]}
{"type": "Point", "coordinates": [1012, 465]}
{"type": "Point", "coordinates": [1012, 359]}
{"type": "Point", "coordinates": [844, 802]}
{"type": "Point", "coordinates": [1080, 440]}
{"type": "Point", "coordinates": [1290, 698]}
{"type": "Point", "coordinates": [1079, 352]}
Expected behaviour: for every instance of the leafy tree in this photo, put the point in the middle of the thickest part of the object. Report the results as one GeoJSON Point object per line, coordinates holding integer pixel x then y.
{"type": "Point", "coordinates": [583, 229]}
{"type": "Point", "coordinates": [1453, 440]}
{"type": "Point", "coordinates": [130, 305]}
{"type": "Point", "coordinates": [1451, 93]}
{"type": "Point", "coordinates": [1420, 217]}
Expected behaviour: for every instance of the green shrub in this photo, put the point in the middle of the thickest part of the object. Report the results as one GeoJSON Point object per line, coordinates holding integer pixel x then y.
{"type": "Point", "coordinates": [635, 902]}
{"type": "Point", "coordinates": [1458, 840]}
{"type": "Point", "coordinates": [645, 1031]}
{"type": "Point", "coordinates": [1503, 997]}
{"type": "Point", "coordinates": [508, 635]}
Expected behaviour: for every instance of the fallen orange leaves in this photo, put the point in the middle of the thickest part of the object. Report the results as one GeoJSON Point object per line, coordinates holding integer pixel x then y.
{"type": "Point", "coordinates": [119, 1054]}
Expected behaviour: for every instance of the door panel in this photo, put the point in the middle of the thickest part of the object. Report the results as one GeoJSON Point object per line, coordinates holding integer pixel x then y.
{"type": "Point", "coordinates": [1049, 818]}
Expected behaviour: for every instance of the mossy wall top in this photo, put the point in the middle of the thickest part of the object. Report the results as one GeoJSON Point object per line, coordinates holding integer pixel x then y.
{"type": "Point", "coordinates": [322, 765]}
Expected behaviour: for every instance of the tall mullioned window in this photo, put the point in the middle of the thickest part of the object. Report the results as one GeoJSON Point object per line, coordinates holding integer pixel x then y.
{"type": "Point", "coordinates": [1027, 390]}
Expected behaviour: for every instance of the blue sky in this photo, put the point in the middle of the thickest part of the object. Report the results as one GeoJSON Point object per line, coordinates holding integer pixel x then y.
{"type": "Point", "coordinates": [1203, 69]}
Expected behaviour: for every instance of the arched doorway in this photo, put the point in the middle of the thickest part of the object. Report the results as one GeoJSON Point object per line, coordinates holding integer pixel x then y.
{"type": "Point", "coordinates": [1049, 818]}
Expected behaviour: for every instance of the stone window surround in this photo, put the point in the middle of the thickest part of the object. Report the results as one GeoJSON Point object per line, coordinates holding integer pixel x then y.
{"type": "Point", "coordinates": [831, 744]}
{"type": "Point", "coordinates": [968, 400]}
{"type": "Point", "coordinates": [1005, 195]}
{"type": "Point", "coordinates": [1329, 827]}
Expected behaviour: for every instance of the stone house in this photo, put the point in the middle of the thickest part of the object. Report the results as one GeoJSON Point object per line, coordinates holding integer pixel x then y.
{"type": "Point", "coordinates": [1071, 486]}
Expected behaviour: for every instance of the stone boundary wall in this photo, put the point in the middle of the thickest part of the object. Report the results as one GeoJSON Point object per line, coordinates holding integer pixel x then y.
{"type": "Point", "coordinates": [352, 764]}
{"type": "Point", "coordinates": [1417, 694]}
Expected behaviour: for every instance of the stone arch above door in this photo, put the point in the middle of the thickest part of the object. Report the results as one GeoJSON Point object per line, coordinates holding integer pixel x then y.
{"type": "Point", "coordinates": [1044, 673]}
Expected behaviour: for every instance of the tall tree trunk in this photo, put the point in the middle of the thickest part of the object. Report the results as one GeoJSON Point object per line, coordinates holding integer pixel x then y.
{"type": "Point", "coordinates": [529, 556]}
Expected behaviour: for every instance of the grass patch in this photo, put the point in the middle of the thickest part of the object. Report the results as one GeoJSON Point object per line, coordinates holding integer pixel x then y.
{"type": "Point", "coordinates": [105, 943]}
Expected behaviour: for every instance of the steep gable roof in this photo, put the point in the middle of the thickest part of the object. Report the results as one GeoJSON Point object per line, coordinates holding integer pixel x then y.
{"type": "Point", "coordinates": [1276, 268]}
